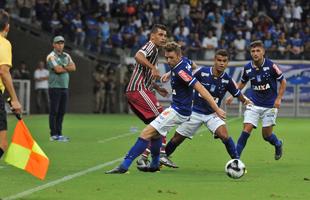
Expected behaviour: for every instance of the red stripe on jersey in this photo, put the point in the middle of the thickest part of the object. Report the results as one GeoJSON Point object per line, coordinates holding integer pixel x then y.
{"type": "Point", "coordinates": [185, 76]}
{"type": "Point", "coordinates": [276, 67]}
{"type": "Point", "coordinates": [141, 76]}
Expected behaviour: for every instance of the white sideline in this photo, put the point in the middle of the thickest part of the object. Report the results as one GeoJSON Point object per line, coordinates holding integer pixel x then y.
{"type": "Point", "coordinates": [116, 137]}
{"type": "Point", "coordinates": [78, 174]}
{"type": "Point", "coordinates": [61, 180]}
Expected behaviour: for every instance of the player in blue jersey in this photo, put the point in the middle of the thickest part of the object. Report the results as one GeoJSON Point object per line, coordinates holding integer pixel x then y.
{"type": "Point", "coordinates": [217, 82]}
{"type": "Point", "coordinates": [182, 84]}
{"type": "Point", "coordinates": [263, 75]}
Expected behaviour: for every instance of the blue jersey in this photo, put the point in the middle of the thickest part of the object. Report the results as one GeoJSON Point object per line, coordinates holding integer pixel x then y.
{"type": "Point", "coordinates": [217, 87]}
{"type": "Point", "coordinates": [182, 82]}
{"type": "Point", "coordinates": [263, 91]}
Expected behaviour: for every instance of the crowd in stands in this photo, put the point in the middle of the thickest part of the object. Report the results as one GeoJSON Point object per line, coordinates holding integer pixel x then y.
{"type": "Point", "coordinates": [200, 26]}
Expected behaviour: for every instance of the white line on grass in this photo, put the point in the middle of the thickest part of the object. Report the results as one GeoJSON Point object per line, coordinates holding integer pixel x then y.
{"type": "Point", "coordinates": [61, 180]}
{"type": "Point", "coordinates": [116, 137]}
{"type": "Point", "coordinates": [78, 174]}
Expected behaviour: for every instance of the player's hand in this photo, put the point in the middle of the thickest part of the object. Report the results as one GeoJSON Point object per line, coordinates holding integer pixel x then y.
{"type": "Point", "coordinates": [16, 107]}
{"type": "Point", "coordinates": [165, 77]}
{"type": "Point", "coordinates": [155, 74]}
{"type": "Point", "coordinates": [247, 101]}
{"type": "Point", "coordinates": [277, 103]}
{"type": "Point", "coordinates": [162, 91]}
{"type": "Point", "coordinates": [229, 100]}
{"type": "Point", "coordinates": [221, 114]}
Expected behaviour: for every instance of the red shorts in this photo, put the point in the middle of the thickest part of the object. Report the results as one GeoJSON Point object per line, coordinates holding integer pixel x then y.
{"type": "Point", "coordinates": [144, 104]}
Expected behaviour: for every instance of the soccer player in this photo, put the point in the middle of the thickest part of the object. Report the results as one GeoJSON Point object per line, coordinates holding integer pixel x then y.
{"type": "Point", "coordinates": [139, 92]}
{"type": "Point", "coordinates": [182, 84]}
{"type": "Point", "coordinates": [217, 82]}
{"type": "Point", "coordinates": [6, 79]}
{"type": "Point", "coordinates": [263, 75]}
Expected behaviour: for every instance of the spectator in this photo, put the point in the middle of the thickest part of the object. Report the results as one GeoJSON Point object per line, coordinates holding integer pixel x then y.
{"type": "Point", "coordinates": [100, 80]}
{"type": "Point", "coordinates": [270, 46]}
{"type": "Point", "coordinates": [296, 47]}
{"type": "Point", "coordinates": [111, 91]}
{"type": "Point", "coordinates": [240, 47]}
{"type": "Point", "coordinates": [209, 45]}
{"type": "Point", "coordinates": [22, 72]}
{"type": "Point", "coordinates": [55, 24]}
{"type": "Point", "coordinates": [78, 30]}
{"type": "Point", "coordinates": [41, 88]}
{"type": "Point", "coordinates": [282, 45]}
{"type": "Point", "coordinates": [194, 48]}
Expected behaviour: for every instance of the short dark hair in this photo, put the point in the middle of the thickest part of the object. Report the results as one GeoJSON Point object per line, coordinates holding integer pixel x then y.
{"type": "Point", "coordinates": [4, 19]}
{"type": "Point", "coordinates": [257, 43]}
{"type": "Point", "coordinates": [158, 26]}
{"type": "Point", "coordinates": [173, 46]}
{"type": "Point", "coordinates": [222, 52]}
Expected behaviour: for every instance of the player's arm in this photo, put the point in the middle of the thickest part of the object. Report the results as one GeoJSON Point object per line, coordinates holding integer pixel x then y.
{"type": "Point", "coordinates": [281, 91]}
{"type": "Point", "coordinates": [208, 97]}
{"type": "Point", "coordinates": [165, 77]}
{"type": "Point", "coordinates": [162, 91]}
{"type": "Point", "coordinates": [141, 59]}
{"type": "Point", "coordinates": [6, 78]}
{"type": "Point", "coordinates": [194, 66]}
{"type": "Point", "coordinates": [244, 99]}
{"type": "Point", "coordinates": [240, 86]}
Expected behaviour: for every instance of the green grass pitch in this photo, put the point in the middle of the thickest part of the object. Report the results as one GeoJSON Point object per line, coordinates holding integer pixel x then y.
{"type": "Point", "coordinates": [98, 142]}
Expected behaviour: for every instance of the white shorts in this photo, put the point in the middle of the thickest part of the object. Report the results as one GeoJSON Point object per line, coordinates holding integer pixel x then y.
{"type": "Point", "coordinates": [189, 128]}
{"type": "Point", "coordinates": [253, 113]}
{"type": "Point", "coordinates": [168, 119]}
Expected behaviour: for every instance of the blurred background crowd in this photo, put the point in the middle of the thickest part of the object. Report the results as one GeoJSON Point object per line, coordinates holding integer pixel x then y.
{"type": "Point", "coordinates": [118, 27]}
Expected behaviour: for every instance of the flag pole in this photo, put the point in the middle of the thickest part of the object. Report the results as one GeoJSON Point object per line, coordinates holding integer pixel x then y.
{"type": "Point", "coordinates": [17, 115]}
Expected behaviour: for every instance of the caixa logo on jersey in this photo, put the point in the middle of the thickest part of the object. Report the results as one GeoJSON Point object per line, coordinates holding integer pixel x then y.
{"type": "Point", "coordinates": [261, 87]}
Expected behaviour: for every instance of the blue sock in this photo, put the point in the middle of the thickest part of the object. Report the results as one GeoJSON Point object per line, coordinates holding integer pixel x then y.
{"type": "Point", "coordinates": [170, 147]}
{"type": "Point", "coordinates": [134, 152]}
{"type": "Point", "coordinates": [155, 152]}
{"type": "Point", "coordinates": [231, 148]}
{"type": "Point", "coordinates": [272, 139]}
{"type": "Point", "coordinates": [242, 142]}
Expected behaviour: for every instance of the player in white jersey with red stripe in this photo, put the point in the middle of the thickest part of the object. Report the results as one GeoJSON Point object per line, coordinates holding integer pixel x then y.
{"type": "Point", "coordinates": [140, 90]}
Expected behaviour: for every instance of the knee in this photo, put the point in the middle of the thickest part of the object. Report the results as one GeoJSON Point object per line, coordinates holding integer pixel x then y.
{"type": "Point", "coordinates": [223, 137]}
{"type": "Point", "coordinates": [247, 128]}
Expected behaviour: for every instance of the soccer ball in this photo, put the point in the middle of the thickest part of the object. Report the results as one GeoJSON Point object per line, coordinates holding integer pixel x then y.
{"type": "Point", "coordinates": [235, 168]}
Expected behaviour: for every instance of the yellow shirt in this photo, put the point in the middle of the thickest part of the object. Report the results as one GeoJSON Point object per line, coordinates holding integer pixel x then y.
{"type": "Point", "coordinates": [5, 56]}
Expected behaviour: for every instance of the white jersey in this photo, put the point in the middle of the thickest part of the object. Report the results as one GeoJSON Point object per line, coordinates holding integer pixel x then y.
{"type": "Point", "coordinates": [40, 73]}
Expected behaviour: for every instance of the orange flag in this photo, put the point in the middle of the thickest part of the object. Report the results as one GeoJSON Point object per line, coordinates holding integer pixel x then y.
{"type": "Point", "coordinates": [25, 153]}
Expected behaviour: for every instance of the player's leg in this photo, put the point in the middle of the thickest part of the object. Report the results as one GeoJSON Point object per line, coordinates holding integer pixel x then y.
{"type": "Point", "coordinates": [244, 136]}
{"type": "Point", "coordinates": [174, 142]}
{"type": "Point", "coordinates": [163, 123]}
{"type": "Point", "coordinates": [229, 143]}
{"type": "Point", "coordinates": [251, 117]}
{"type": "Point", "coordinates": [3, 142]}
{"type": "Point", "coordinates": [3, 127]}
{"type": "Point", "coordinates": [185, 130]}
{"type": "Point", "coordinates": [137, 149]}
{"type": "Point", "coordinates": [145, 105]}
{"type": "Point", "coordinates": [218, 127]}
{"type": "Point", "coordinates": [268, 121]}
